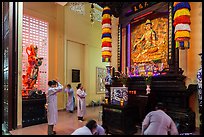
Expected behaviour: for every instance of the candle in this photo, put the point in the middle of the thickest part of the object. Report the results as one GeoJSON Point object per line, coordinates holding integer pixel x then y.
{"type": "Point", "coordinates": [121, 102]}
{"type": "Point", "coordinates": [106, 101]}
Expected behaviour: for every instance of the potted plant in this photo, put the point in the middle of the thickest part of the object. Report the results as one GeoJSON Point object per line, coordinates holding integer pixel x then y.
{"type": "Point", "coordinates": [123, 78]}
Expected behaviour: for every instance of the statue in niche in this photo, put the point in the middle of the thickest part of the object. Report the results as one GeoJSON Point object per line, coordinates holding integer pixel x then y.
{"type": "Point", "coordinates": [152, 43]}
{"type": "Point", "coordinates": [30, 79]}
{"type": "Point", "coordinates": [149, 37]}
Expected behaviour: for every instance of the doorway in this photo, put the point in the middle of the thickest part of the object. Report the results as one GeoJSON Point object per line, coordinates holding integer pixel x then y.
{"type": "Point", "coordinates": [74, 59]}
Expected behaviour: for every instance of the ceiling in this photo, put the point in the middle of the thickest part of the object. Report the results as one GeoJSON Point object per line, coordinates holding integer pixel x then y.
{"type": "Point", "coordinates": [116, 7]}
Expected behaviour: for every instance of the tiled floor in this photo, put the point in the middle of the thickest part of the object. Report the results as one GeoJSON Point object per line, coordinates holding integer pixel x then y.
{"type": "Point", "coordinates": [67, 123]}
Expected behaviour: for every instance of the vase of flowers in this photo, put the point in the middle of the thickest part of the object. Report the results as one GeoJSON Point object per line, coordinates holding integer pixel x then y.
{"type": "Point", "coordinates": [148, 81]}
{"type": "Point", "coordinates": [108, 78]}
{"type": "Point", "coordinates": [148, 89]}
{"type": "Point", "coordinates": [199, 82]}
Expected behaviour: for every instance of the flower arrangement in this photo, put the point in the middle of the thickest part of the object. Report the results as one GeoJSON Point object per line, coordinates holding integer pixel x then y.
{"type": "Point", "coordinates": [122, 77]}
{"type": "Point", "coordinates": [148, 80]}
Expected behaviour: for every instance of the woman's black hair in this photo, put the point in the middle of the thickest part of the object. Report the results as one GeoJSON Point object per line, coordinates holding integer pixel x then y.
{"type": "Point", "coordinates": [91, 124]}
{"type": "Point", "coordinates": [160, 105]}
{"type": "Point", "coordinates": [52, 82]}
{"type": "Point", "coordinates": [69, 85]}
{"type": "Point", "coordinates": [78, 86]}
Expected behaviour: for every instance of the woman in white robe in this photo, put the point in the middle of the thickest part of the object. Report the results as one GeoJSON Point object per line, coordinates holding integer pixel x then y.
{"type": "Point", "coordinates": [52, 111]}
{"type": "Point", "coordinates": [88, 129]}
{"type": "Point", "coordinates": [82, 131]}
{"type": "Point", "coordinates": [81, 102]}
{"type": "Point", "coordinates": [70, 99]}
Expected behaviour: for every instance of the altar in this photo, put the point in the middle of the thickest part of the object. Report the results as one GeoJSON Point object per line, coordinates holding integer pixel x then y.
{"type": "Point", "coordinates": [148, 46]}
{"type": "Point", "coordinates": [172, 92]}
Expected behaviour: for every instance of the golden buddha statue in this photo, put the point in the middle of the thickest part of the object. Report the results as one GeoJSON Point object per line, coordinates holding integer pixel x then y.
{"type": "Point", "coordinates": [146, 49]}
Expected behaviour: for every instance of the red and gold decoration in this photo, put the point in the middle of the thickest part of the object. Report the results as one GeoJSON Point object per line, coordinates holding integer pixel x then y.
{"type": "Point", "coordinates": [30, 78]}
{"type": "Point", "coordinates": [106, 35]}
{"type": "Point", "coordinates": [182, 24]}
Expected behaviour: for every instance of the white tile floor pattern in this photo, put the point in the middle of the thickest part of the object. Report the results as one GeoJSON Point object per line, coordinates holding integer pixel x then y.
{"type": "Point", "coordinates": [67, 123]}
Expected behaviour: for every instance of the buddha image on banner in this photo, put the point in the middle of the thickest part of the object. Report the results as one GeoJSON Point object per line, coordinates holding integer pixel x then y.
{"type": "Point", "coordinates": [149, 41]}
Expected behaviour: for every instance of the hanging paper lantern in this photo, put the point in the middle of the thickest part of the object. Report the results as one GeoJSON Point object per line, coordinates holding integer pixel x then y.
{"type": "Point", "coordinates": [182, 24]}
{"type": "Point", "coordinates": [106, 37]}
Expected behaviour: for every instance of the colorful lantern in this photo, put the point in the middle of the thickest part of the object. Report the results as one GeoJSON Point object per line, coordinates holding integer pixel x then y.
{"type": "Point", "coordinates": [182, 24]}
{"type": "Point", "coordinates": [106, 35]}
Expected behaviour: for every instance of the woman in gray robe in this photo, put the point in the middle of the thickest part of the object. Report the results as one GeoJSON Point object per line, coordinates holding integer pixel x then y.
{"type": "Point", "coordinates": [158, 123]}
{"type": "Point", "coordinates": [52, 111]}
{"type": "Point", "coordinates": [71, 99]}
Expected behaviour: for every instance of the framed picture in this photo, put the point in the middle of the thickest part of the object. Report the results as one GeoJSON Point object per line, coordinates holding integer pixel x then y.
{"type": "Point", "coordinates": [75, 75]}
{"type": "Point", "coordinates": [100, 80]}
{"type": "Point", "coordinates": [119, 93]}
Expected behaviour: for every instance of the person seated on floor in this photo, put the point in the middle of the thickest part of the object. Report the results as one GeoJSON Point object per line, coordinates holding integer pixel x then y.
{"type": "Point", "coordinates": [88, 129]}
{"type": "Point", "coordinates": [100, 130]}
